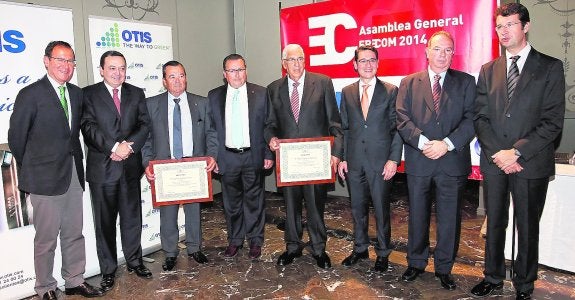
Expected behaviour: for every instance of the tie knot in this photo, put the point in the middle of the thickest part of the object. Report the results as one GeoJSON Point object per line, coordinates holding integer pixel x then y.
{"type": "Point", "coordinates": [177, 100]}
{"type": "Point", "coordinates": [115, 92]}
{"type": "Point", "coordinates": [365, 87]}
{"type": "Point", "coordinates": [62, 89]}
{"type": "Point", "coordinates": [437, 77]}
{"type": "Point", "coordinates": [515, 58]}
{"type": "Point", "coordinates": [295, 84]}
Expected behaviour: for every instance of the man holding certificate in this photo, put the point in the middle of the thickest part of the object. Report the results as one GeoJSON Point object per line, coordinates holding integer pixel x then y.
{"type": "Point", "coordinates": [180, 128]}
{"type": "Point", "coordinates": [239, 111]}
{"type": "Point", "coordinates": [302, 105]}
{"type": "Point", "coordinates": [372, 151]}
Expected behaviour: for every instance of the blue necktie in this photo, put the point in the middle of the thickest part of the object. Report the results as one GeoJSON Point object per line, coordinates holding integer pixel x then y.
{"type": "Point", "coordinates": [178, 150]}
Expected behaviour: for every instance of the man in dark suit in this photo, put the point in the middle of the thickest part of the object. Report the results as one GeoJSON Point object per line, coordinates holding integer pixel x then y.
{"type": "Point", "coordinates": [115, 125]}
{"type": "Point", "coordinates": [372, 150]}
{"type": "Point", "coordinates": [435, 119]}
{"type": "Point", "coordinates": [44, 139]}
{"type": "Point", "coordinates": [314, 113]}
{"type": "Point", "coordinates": [238, 112]}
{"type": "Point", "coordinates": [177, 114]}
{"type": "Point", "coordinates": [518, 115]}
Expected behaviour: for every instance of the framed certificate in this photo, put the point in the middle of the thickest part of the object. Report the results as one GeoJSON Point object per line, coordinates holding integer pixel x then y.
{"type": "Point", "coordinates": [304, 161]}
{"type": "Point", "coordinates": [180, 181]}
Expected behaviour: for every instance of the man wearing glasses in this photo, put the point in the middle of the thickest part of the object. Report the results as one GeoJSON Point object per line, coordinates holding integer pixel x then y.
{"type": "Point", "coordinates": [238, 114]}
{"type": "Point", "coordinates": [44, 139]}
{"type": "Point", "coordinates": [303, 105]}
{"type": "Point", "coordinates": [372, 152]}
{"type": "Point", "coordinates": [518, 116]}
{"type": "Point", "coordinates": [435, 120]}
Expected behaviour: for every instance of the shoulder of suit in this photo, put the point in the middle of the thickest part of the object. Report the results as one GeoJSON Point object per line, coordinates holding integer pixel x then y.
{"type": "Point", "coordinates": [131, 86]}
{"type": "Point", "coordinates": [255, 88]}
{"type": "Point", "coordinates": [457, 73]}
{"type": "Point", "coordinates": [543, 57]}
{"type": "Point", "coordinates": [219, 89]}
{"type": "Point", "coordinates": [313, 75]}
{"type": "Point", "coordinates": [196, 97]}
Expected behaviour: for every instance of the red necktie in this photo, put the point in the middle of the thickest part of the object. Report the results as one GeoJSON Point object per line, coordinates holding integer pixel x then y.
{"type": "Point", "coordinates": [436, 92]}
{"type": "Point", "coordinates": [116, 100]}
{"type": "Point", "coordinates": [294, 101]}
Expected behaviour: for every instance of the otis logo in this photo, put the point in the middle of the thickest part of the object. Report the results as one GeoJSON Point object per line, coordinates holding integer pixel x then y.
{"type": "Point", "coordinates": [11, 41]}
{"type": "Point", "coordinates": [113, 37]}
{"type": "Point", "coordinates": [327, 40]}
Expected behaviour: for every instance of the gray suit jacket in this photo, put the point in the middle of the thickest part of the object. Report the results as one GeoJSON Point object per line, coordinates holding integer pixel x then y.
{"type": "Point", "coordinates": [416, 116]}
{"type": "Point", "coordinates": [530, 122]}
{"type": "Point", "coordinates": [318, 117]}
{"type": "Point", "coordinates": [375, 139]}
{"type": "Point", "coordinates": [157, 145]}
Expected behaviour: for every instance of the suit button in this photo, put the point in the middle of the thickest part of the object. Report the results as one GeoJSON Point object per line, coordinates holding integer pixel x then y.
{"type": "Point", "coordinates": [505, 135]}
{"type": "Point", "coordinates": [365, 126]}
{"type": "Point", "coordinates": [508, 115]}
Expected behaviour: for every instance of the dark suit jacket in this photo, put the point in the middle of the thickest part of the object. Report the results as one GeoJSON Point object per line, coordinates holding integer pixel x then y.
{"type": "Point", "coordinates": [42, 142]}
{"type": "Point", "coordinates": [102, 127]}
{"type": "Point", "coordinates": [157, 145]}
{"type": "Point", "coordinates": [530, 122]}
{"type": "Point", "coordinates": [318, 115]}
{"type": "Point", "coordinates": [416, 116]}
{"type": "Point", "coordinates": [257, 110]}
{"type": "Point", "coordinates": [375, 139]}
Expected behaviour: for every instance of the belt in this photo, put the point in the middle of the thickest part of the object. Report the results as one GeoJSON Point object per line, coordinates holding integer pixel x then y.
{"type": "Point", "coordinates": [238, 150]}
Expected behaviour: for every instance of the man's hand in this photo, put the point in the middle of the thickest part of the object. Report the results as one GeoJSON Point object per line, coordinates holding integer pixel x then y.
{"type": "Point", "coordinates": [274, 144]}
{"type": "Point", "coordinates": [268, 163]}
{"type": "Point", "coordinates": [124, 149]}
{"type": "Point", "coordinates": [434, 149]}
{"type": "Point", "coordinates": [342, 169]}
{"type": "Point", "coordinates": [389, 170]}
{"type": "Point", "coordinates": [211, 164]}
{"type": "Point", "coordinates": [150, 174]}
{"type": "Point", "coordinates": [513, 168]}
{"type": "Point", "coordinates": [334, 162]}
{"type": "Point", "coordinates": [505, 158]}
{"type": "Point", "coordinates": [115, 157]}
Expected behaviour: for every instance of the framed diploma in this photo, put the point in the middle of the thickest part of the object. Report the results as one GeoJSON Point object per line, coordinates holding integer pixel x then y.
{"type": "Point", "coordinates": [304, 161]}
{"type": "Point", "coordinates": [180, 181]}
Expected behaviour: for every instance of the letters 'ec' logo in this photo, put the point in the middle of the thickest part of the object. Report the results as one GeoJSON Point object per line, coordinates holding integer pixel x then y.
{"type": "Point", "coordinates": [327, 40]}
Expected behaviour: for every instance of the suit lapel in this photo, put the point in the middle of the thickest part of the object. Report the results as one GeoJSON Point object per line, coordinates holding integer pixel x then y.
{"type": "Point", "coordinates": [163, 116]}
{"type": "Point", "coordinates": [529, 71]}
{"type": "Point", "coordinates": [251, 109]}
{"type": "Point", "coordinates": [194, 115]}
{"type": "Point", "coordinates": [308, 88]}
{"type": "Point", "coordinates": [284, 95]}
{"type": "Point", "coordinates": [107, 99]}
{"type": "Point", "coordinates": [425, 86]}
{"type": "Point", "coordinates": [55, 99]}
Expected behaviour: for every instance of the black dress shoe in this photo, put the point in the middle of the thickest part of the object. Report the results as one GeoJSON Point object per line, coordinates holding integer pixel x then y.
{"type": "Point", "coordinates": [523, 295]}
{"type": "Point", "coordinates": [447, 281]}
{"type": "Point", "coordinates": [381, 264]}
{"type": "Point", "coordinates": [255, 251]}
{"type": "Point", "coordinates": [287, 258]}
{"type": "Point", "coordinates": [411, 274]}
{"type": "Point", "coordinates": [107, 282]}
{"type": "Point", "coordinates": [85, 290]}
{"type": "Point", "coordinates": [141, 271]}
{"type": "Point", "coordinates": [199, 257]}
{"type": "Point", "coordinates": [354, 257]}
{"type": "Point", "coordinates": [49, 295]}
{"type": "Point", "coordinates": [485, 288]}
{"type": "Point", "coordinates": [169, 264]}
{"type": "Point", "coordinates": [232, 250]}
{"type": "Point", "coordinates": [323, 261]}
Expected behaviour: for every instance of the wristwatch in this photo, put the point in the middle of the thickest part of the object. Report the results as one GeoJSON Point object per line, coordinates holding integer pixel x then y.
{"type": "Point", "coordinates": [517, 152]}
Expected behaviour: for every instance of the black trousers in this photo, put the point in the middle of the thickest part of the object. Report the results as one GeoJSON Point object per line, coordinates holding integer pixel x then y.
{"type": "Point", "coordinates": [528, 201]}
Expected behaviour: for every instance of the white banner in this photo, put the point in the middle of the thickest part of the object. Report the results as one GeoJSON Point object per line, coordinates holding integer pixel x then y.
{"type": "Point", "coordinates": [146, 48]}
{"type": "Point", "coordinates": [23, 38]}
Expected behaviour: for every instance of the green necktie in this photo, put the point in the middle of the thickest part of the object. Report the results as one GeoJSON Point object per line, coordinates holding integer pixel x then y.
{"type": "Point", "coordinates": [237, 128]}
{"type": "Point", "coordinates": [63, 99]}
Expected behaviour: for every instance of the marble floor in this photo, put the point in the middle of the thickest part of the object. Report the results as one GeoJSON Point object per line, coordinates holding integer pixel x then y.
{"type": "Point", "coordinates": [243, 278]}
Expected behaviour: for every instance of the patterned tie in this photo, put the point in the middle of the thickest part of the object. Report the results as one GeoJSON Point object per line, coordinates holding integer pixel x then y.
{"type": "Point", "coordinates": [512, 77]}
{"type": "Point", "coordinates": [63, 99]}
{"type": "Point", "coordinates": [365, 101]}
{"type": "Point", "coordinates": [116, 100]}
{"type": "Point", "coordinates": [178, 150]}
{"type": "Point", "coordinates": [436, 92]}
{"type": "Point", "coordinates": [294, 100]}
{"type": "Point", "coordinates": [237, 128]}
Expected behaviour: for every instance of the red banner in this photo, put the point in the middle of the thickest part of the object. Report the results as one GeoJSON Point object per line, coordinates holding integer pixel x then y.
{"type": "Point", "coordinates": [330, 31]}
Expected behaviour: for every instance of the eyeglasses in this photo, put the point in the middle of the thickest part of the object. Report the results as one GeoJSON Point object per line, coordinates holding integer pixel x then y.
{"type": "Point", "coordinates": [235, 71]}
{"type": "Point", "coordinates": [63, 60]}
{"type": "Point", "coordinates": [437, 50]}
{"type": "Point", "coordinates": [292, 60]}
{"type": "Point", "coordinates": [506, 26]}
{"type": "Point", "coordinates": [364, 61]}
